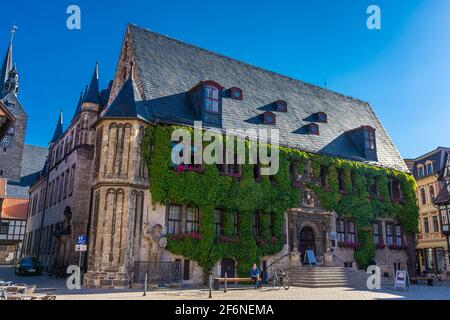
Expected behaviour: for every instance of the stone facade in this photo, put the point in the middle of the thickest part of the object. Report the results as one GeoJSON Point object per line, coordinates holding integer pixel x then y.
{"type": "Point", "coordinates": [121, 198]}
{"type": "Point", "coordinates": [432, 247]}
{"type": "Point", "coordinates": [12, 153]}
{"type": "Point", "coordinates": [63, 193]}
{"type": "Point", "coordinates": [111, 201]}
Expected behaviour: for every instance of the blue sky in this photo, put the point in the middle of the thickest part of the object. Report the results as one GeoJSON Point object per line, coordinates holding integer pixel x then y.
{"type": "Point", "coordinates": [403, 70]}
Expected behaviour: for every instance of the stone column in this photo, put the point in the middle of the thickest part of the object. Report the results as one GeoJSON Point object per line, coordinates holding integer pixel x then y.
{"type": "Point", "coordinates": [295, 257]}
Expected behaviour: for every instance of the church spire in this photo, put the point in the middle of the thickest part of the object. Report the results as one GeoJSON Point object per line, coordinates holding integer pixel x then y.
{"type": "Point", "coordinates": [78, 109]}
{"type": "Point", "coordinates": [92, 94]}
{"type": "Point", "coordinates": [7, 61]}
{"type": "Point", "coordinates": [59, 128]}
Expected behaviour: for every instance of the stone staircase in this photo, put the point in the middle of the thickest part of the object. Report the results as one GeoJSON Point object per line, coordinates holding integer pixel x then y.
{"type": "Point", "coordinates": [328, 277]}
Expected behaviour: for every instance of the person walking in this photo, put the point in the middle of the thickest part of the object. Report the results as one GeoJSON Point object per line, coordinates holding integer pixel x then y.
{"type": "Point", "coordinates": [254, 273]}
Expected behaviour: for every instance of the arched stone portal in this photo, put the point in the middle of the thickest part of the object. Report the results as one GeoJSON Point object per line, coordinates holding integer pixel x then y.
{"type": "Point", "coordinates": [228, 266]}
{"type": "Point", "coordinates": [306, 240]}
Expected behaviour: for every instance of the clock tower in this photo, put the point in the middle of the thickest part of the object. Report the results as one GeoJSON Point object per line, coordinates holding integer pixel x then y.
{"type": "Point", "coordinates": [12, 144]}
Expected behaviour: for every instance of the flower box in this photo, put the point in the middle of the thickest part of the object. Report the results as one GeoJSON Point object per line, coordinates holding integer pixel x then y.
{"type": "Point", "coordinates": [232, 175]}
{"type": "Point", "coordinates": [188, 168]}
{"type": "Point", "coordinates": [226, 239]}
{"type": "Point", "coordinates": [184, 236]}
{"type": "Point", "coordinates": [348, 244]}
{"type": "Point", "coordinates": [381, 246]}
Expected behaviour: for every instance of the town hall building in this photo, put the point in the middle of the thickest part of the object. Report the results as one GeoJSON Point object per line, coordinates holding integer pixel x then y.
{"type": "Point", "coordinates": [343, 191]}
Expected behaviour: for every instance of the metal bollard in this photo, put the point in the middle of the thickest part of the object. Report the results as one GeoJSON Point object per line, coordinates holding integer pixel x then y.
{"type": "Point", "coordinates": [225, 287]}
{"type": "Point", "coordinates": [145, 284]}
{"type": "Point", "coordinates": [210, 286]}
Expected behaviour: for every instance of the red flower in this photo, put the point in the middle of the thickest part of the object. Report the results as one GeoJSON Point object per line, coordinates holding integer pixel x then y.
{"type": "Point", "coordinates": [381, 245]}
{"type": "Point", "coordinates": [348, 244]}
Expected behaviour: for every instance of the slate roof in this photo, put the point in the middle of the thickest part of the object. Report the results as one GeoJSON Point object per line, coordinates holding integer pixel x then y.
{"type": "Point", "coordinates": [128, 102]}
{"type": "Point", "coordinates": [168, 68]}
{"type": "Point", "coordinates": [92, 94]}
{"type": "Point", "coordinates": [6, 67]}
{"type": "Point", "coordinates": [59, 130]}
{"type": "Point", "coordinates": [437, 157]}
{"type": "Point", "coordinates": [33, 161]}
{"type": "Point", "coordinates": [78, 109]}
{"type": "Point", "coordinates": [14, 106]}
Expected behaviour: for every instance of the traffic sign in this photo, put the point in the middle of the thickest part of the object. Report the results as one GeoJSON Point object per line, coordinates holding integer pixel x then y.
{"type": "Point", "coordinates": [82, 240]}
{"type": "Point", "coordinates": [80, 247]}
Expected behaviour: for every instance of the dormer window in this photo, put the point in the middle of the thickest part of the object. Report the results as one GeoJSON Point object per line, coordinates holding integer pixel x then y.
{"type": "Point", "coordinates": [269, 118]}
{"type": "Point", "coordinates": [313, 129]}
{"type": "Point", "coordinates": [371, 138]}
{"type": "Point", "coordinates": [364, 139]}
{"type": "Point", "coordinates": [281, 106]}
{"type": "Point", "coordinates": [321, 117]}
{"type": "Point", "coordinates": [236, 93]}
{"type": "Point", "coordinates": [206, 99]}
{"type": "Point", "coordinates": [211, 99]}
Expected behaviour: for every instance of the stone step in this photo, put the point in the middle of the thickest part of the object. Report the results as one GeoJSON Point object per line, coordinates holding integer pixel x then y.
{"type": "Point", "coordinates": [328, 277]}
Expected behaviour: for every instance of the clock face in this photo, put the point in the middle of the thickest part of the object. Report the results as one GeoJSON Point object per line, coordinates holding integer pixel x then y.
{"type": "Point", "coordinates": [236, 94]}
{"type": "Point", "coordinates": [7, 141]}
{"type": "Point", "coordinates": [269, 119]}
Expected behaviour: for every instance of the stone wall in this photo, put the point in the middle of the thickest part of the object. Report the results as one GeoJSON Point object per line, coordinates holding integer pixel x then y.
{"type": "Point", "coordinates": [11, 157]}
{"type": "Point", "coordinates": [120, 201]}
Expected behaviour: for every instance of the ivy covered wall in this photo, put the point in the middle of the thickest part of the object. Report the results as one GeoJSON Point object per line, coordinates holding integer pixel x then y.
{"type": "Point", "coordinates": [347, 193]}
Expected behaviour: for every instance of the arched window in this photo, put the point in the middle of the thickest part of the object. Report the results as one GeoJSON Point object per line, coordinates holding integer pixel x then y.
{"type": "Point", "coordinates": [423, 196]}
{"type": "Point", "coordinates": [420, 171]}
{"type": "Point", "coordinates": [432, 193]}
{"type": "Point", "coordinates": [429, 168]}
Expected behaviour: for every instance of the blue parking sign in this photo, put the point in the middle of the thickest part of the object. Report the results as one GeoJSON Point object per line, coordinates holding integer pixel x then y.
{"type": "Point", "coordinates": [82, 240]}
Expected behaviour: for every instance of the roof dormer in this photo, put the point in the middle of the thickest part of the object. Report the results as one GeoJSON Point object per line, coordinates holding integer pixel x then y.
{"type": "Point", "coordinates": [269, 118]}
{"type": "Point", "coordinates": [235, 93]}
{"type": "Point", "coordinates": [313, 129]}
{"type": "Point", "coordinates": [206, 98]}
{"type": "Point", "coordinates": [280, 106]}
{"type": "Point", "coordinates": [321, 117]}
{"type": "Point", "coordinates": [365, 140]}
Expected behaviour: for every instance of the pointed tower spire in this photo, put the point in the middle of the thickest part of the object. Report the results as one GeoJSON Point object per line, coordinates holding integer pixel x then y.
{"type": "Point", "coordinates": [92, 94]}
{"type": "Point", "coordinates": [7, 61]}
{"type": "Point", "coordinates": [12, 84]}
{"type": "Point", "coordinates": [128, 102]}
{"type": "Point", "coordinates": [80, 102]}
{"type": "Point", "coordinates": [59, 128]}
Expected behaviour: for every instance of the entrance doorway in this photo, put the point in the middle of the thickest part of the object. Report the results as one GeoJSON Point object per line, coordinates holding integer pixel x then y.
{"type": "Point", "coordinates": [307, 240]}
{"type": "Point", "coordinates": [228, 266]}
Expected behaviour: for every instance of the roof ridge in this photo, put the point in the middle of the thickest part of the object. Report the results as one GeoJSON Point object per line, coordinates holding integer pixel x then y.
{"type": "Point", "coordinates": [430, 153]}
{"type": "Point", "coordinates": [248, 64]}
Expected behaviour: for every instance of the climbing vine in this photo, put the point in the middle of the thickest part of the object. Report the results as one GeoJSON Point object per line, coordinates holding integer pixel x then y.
{"type": "Point", "coordinates": [209, 190]}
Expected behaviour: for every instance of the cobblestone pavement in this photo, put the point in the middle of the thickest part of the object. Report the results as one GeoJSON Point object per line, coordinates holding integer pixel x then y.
{"type": "Point", "coordinates": [58, 287]}
{"type": "Point", "coordinates": [415, 293]}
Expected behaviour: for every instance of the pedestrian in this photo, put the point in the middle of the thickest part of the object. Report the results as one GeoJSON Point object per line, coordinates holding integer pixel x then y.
{"type": "Point", "coordinates": [254, 273]}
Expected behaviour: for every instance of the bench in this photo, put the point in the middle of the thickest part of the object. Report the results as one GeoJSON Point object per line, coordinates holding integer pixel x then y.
{"type": "Point", "coordinates": [429, 280]}
{"type": "Point", "coordinates": [218, 281]}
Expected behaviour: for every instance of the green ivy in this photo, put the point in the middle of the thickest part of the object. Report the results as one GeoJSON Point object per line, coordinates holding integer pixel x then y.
{"type": "Point", "coordinates": [211, 190]}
